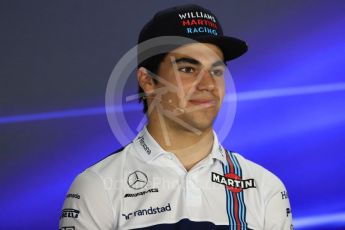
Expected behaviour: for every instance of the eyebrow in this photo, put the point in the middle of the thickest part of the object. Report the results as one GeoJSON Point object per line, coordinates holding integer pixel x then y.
{"type": "Point", "coordinates": [219, 63]}
{"type": "Point", "coordinates": [187, 60]}
{"type": "Point", "coordinates": [196, 62]}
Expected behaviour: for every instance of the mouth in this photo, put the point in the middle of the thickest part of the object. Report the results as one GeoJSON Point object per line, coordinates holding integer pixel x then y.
{"type": "Point", "coordinates": [203, 102]}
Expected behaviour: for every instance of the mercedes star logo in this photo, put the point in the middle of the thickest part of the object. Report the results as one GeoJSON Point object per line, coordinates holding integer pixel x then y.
{"type": "Point", "coordinates": [137, 180]}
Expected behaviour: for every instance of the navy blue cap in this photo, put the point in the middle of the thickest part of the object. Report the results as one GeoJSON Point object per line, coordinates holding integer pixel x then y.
{"type": "Point", "coordinates": [193, 22]}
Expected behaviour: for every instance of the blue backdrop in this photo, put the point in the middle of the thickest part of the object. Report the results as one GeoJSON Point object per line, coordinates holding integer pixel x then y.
{"type": "Point", "coordinates": [56, 59]}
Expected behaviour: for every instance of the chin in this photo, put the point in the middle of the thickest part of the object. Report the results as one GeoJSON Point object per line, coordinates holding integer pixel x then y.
{"type": "Point", "coordinates": [203, 126]}
{"type": "Point", "coordinates": [201, 123]}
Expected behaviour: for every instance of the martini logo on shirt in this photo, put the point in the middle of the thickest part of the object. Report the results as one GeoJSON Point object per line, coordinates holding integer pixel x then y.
{"type": "Point", "coordinates": [233, 182]}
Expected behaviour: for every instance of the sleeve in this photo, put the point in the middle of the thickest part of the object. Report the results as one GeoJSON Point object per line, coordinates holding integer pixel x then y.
{"type": "Point", "coordinates": [278, 214]}
{"type": "Point", "coordinates": [87, 205]}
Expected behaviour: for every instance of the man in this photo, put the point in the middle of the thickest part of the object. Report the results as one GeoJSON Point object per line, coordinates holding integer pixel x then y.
{"type": "Point", "coordinates": [175, 174]}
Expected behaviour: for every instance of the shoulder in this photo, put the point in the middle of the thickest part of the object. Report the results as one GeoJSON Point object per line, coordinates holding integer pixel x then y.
{"type": "Point", "coordinates": [104, 177]}
{"type": "Point", "coordinates": [266, 181]}
{"type": "Point", "coordinates": [269, 196]}
{"type": "Point", "coordinates": [103, 172]}
{"type": "Point", "coordinates": [112, 164]}
{"type": "Point", "coordinates": [92, 196]}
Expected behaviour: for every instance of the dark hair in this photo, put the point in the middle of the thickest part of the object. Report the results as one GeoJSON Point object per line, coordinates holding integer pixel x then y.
{"type": "Point", "coordinates": [152, 64]}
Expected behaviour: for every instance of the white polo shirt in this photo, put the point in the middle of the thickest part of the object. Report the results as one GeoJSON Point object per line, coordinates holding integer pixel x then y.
{"type": "Point", "coordinates": [144, 187]}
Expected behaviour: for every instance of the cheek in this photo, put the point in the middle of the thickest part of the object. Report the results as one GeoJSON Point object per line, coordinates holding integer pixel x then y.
{"type": "Point", "coordinates": [186, 87]}
{"type": "Point", "coordinates": [220, 85]}
{"type": "Point", "coordinates": [170, 98]}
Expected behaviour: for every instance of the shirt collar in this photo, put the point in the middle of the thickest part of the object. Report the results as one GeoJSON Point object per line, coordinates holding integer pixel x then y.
{"type": "Point", "coordinates": [149, 149]}
{"type": "Point", "coordinates": [147, 146]}
{"type": "Point", "coordinates": [218, 151]}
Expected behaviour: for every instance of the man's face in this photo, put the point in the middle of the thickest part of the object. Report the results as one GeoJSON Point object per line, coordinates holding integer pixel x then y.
{"type": "Point", "coordinates": [192, 79]}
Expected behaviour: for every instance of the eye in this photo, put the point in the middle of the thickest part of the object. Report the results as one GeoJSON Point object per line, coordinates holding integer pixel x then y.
{"type": "Point", "coordinates": [187, 69]}
{"type": "Point", "coordinates": [217, 72]}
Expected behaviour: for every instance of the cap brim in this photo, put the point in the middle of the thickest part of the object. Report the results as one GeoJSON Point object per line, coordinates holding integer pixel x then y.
{"type": "Point", "coordinates": [232, 47]}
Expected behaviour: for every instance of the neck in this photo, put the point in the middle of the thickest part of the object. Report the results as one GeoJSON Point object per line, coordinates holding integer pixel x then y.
{"type": "Point", "coordinates": [189, 147]}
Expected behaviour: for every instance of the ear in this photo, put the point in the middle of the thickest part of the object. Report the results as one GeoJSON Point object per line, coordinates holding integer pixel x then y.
{"type": "Point", "coordinates": [145, 81]}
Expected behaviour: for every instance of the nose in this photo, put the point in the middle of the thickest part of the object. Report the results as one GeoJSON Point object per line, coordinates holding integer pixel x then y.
{"type": "Point", "coordinates": [206, 81]}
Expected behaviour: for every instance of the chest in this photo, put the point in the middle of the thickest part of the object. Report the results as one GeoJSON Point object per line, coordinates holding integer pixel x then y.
{"type": "Point", "coordinates": [154, 195]}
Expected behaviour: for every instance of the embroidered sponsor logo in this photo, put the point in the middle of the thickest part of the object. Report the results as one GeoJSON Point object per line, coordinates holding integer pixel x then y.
{"type": "Point", "coordinates": [201, 30]}
{"type": "Point", "coordinates": [70, 213]}
{"type": "Point", "coordinates": [67, 228]}
{"type": "Point", "coordinates": [144, 145]}
{"type": "Point", "coordinates": [288, 211]}
{"type": "Point", "coordinates": [72, 195]}
{"type": "Point", "coordinates": [137, 180]}
{"type": "Point", "coordinates": [141, 193]}
{"type": "Point", "coordinates": [284, 195]}
{"type": "Point", "coordinates": [148, 211]}
{"type": "Point", "coordinates": [198, 22]}
{"type": "Point", "coordinates": [233, 182]}
{"type": "Point", "coordinates": [196, 14]}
